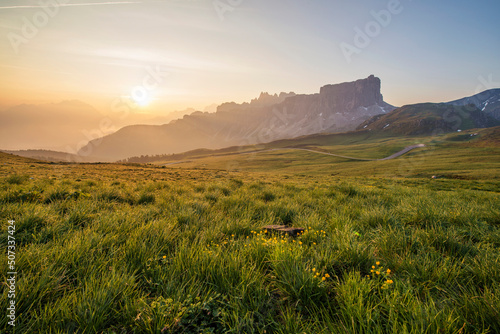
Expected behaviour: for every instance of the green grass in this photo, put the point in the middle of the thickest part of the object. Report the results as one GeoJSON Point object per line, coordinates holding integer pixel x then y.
{"type": "Point", "coordinates": [446, 161]}
{"type": "Point", "coordinates": [469, 155]}
{"type": "Point", "coordinates": [110, 248]}
{"type": "Point", "coordinates": [428, 118]}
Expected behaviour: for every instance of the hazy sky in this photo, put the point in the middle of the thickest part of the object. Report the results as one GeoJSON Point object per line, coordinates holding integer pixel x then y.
{"type": "Point", "coordinates": [173, 54]}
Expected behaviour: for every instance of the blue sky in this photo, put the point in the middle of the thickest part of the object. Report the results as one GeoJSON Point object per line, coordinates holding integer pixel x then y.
{"type": "Point", "coordinates": [97, 51]}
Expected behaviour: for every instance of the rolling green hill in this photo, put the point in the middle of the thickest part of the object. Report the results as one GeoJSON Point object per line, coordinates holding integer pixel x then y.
{"type": "Point", "coordinates": [429, 118]}
{"type": "Point", "coordinates": [471, 154]}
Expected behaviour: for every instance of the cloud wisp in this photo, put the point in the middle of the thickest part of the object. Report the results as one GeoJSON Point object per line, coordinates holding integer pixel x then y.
{"type": "Point", "coordinates": [74, 4]}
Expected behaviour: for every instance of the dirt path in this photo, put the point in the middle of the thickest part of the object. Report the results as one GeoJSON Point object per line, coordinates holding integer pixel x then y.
{"type": "Point", "coordinates": [393, 156]}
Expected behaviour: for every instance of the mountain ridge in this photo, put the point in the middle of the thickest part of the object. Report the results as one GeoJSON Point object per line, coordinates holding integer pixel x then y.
{"type": "Point", "coordinates": [487, 101]}
{"type": "Point", "coordinates": [429, 119]}
{"type": "Point", "coordinates": [337, 107]}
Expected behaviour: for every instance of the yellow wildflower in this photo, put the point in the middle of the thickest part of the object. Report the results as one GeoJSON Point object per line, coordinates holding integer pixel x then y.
{"type": "Point", "coordinates": [388, 271]}
{"type": "Point", "coordinates": [377, 263]}
{"type": "Point", "coordinates": [377, 272]}
{"type": "Point", "coordinates": [323, 278]}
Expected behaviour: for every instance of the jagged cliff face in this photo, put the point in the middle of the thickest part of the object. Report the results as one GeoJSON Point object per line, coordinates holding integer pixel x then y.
{"type": "Point", "coordinates": [335, 108]}
{"type": "Point", "coordinates": [265, 99]}
{"type": "Point", "coordinates": [364, 92]}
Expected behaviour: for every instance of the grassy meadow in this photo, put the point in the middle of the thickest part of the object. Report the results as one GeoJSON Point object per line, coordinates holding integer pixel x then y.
{"type": "Point", "coordinates": [128, 248]}
{"type": "Point", "coordinates": [463, 156]}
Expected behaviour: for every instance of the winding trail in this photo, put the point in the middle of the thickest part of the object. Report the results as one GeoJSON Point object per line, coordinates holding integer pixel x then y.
{"type": "Point", "coordinates": [393, 156]}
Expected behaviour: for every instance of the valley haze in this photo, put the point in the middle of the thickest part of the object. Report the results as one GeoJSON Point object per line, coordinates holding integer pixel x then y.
{"type": "Point", "coordinates": [343, 107]}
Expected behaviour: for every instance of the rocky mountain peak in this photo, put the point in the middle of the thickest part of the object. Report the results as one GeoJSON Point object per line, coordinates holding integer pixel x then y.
{"type": "Point", "coordinates": [269, 99]}
{"type": "Point", "coordinates": [363, 92]}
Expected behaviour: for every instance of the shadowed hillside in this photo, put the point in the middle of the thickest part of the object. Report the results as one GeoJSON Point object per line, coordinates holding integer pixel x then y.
{"type": "Point", "coordinates": [429, 118]}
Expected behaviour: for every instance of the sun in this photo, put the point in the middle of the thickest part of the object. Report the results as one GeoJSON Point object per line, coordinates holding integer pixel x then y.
{"type": "Point", "coordinates": [141, 96]}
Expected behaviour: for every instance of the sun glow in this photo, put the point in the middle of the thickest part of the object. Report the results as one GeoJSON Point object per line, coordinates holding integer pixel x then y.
{"type": "Point", "coordinates": [141, 96]}
{"type": "Point", "coordinates": [142, 102]}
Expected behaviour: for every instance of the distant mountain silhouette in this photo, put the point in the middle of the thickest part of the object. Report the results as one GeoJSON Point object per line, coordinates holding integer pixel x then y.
{"type": "Point", "coordinates": [66, 125]}
{"type": "Point", "coordinates": [48, 126]}
{"type": "Point", "coordinates": [336, 108]}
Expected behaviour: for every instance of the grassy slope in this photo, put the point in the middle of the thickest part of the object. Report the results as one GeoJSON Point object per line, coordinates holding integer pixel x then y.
{"type": "Point", "coordinates": [131, 248]}
{"type": "Point", "coordinates": [452, 156]}
{"type": "Point", "coordinates": [427, 118]}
